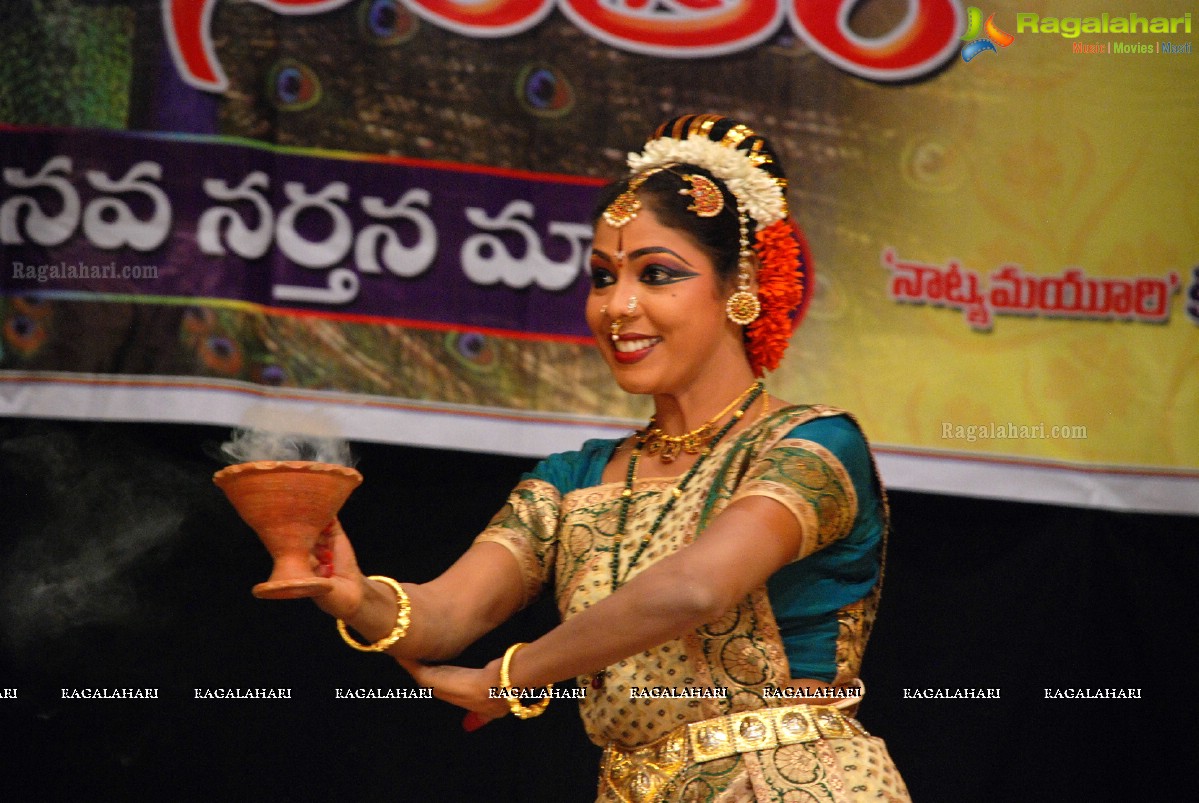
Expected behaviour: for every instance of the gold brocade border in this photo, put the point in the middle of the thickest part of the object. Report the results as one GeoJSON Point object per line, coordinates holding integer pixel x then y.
{"type": "Point", "coordinates": [532, 508]}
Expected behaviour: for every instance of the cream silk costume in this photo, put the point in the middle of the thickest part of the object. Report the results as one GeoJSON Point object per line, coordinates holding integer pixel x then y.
{"type": "Point", "coordinates": [812, 620]}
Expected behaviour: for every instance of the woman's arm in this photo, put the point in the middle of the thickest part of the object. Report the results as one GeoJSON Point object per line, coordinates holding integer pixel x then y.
{"type": "Point", "coordinates": [747, 543]}
{"type": "Point", "coordinates": [739, 551]}
{"type": "Point", "coordinates": [479, 591]}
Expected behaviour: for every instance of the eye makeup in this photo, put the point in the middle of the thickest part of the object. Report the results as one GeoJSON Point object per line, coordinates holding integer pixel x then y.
{"type": "Point", "coordinates": [653, 273]}
{"type": "Point", "coordinates": [660, 275]}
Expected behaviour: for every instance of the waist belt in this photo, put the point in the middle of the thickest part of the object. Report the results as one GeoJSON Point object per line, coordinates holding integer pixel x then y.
{"type": "Point", "coordinates": [768, 727]}
{"type": "Point", "coordinates": [638, 774]}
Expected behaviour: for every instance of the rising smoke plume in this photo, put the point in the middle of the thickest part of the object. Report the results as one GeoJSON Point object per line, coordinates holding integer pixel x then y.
{"type": "Point", "coordinates": [271, 434]}
{"type": "Point", "coordinates": [248, 445]}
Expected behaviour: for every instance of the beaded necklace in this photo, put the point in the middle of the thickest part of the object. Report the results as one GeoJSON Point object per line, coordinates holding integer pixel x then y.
{"type": "Point", "coordinates": [626, 496]}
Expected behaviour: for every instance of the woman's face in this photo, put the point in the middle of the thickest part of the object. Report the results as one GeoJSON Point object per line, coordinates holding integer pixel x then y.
{"type": "Point", "coordinates": [677, 334]}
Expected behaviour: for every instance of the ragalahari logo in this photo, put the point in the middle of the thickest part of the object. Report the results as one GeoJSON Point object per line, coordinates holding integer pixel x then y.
{"type": "Point", "coordinates": [975, 26]}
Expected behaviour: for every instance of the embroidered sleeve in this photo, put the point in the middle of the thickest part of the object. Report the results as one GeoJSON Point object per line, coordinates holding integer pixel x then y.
{"type": "Point", "coordinates": [527, 526]}
{"type": "Point", "coordinates": [809, 480]}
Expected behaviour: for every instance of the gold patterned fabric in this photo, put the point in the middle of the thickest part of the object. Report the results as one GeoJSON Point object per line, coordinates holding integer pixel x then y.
{"type": "Point", "coordinates": [799, 752]}
{"type": "Point", "coordinates": [565, 536]}
{"type": "Point", "coordinates": [826, 503]}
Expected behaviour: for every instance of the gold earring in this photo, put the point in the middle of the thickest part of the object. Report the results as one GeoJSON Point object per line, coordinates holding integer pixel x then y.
{"type": "Point", "coordinates": [743, 307]}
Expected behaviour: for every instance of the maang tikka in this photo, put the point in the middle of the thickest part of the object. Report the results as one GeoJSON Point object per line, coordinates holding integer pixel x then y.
{"type": "Point", "coordinates": [624, 209]}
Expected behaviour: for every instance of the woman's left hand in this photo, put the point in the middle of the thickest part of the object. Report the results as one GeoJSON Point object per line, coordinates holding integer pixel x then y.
{"type": "Point", "coordinates": [466, 688]}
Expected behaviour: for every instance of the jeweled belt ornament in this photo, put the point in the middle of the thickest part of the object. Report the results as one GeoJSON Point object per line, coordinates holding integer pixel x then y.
{"type": "Point", "coordinates": [640, 774]}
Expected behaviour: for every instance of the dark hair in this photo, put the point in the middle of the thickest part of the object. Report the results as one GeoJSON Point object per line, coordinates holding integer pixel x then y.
{"type": "Point", "coordinates": [718, 236]}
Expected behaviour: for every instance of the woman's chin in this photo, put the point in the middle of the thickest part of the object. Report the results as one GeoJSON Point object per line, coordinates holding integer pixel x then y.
{"type": "Point", "coordinates": [634, 382]}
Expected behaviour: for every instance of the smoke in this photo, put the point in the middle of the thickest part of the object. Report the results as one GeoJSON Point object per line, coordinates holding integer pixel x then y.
{"type": "Point", "coordinates": [94, 518]}
{"type": "Point", "coordinates": [273, 435]}
{"type": "Point", "coordinates": [90, 513]}
{"type": "Point", "coordinates": [87, 587]}
{"type": "Point", "coordinates": [247, 445]}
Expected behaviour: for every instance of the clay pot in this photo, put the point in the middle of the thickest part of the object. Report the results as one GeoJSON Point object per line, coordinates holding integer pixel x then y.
{"type": "Point", "coordinates": [288, 503]}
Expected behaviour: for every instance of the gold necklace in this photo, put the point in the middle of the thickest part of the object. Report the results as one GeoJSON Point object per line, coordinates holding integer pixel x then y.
{"type": "Point", "coordinates": [656, 441]}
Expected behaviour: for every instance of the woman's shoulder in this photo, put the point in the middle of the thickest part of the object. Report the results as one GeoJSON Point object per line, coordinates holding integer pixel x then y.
{"type": "Point", "coordinates": [581, 468]}
{"type": "Point", "coordinates": [828, 434]}
{"type": "Point", "coordinates": [830, 427]}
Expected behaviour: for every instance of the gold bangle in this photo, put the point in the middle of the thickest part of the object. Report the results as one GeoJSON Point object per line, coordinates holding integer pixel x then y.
{"type": "Point", "coordinates": [514, 704]}
{"type": "Point", "coordinates": [403, 618]}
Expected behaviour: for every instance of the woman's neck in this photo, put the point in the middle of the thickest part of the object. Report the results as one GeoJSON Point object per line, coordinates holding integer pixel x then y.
{"type": "Point", "coordinates": [686, 411]}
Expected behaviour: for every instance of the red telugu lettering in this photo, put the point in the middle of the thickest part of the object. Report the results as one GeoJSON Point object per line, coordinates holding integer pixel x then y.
{"type": "Point", "coordinates": [690, 28]}
{"type": "Point", "coordinates": [927, 37]}
{"type": "Point", "coordinates": [484, 20]}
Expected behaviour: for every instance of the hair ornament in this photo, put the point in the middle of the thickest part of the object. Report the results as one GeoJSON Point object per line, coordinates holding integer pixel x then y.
{"type": "Point", "coordinates": [707, 199]}
{"type": "Point", "coordinates": [624, 209]}
{"type": "Point", "coordinates": [757, 192]}
{"type": "Point", "coordinates": [784, 270]}
{"type": "Point", "coordinates": [742, 161]}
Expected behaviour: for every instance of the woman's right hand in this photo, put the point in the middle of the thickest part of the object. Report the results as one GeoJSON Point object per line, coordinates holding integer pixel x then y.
{"type": "Point", "coordinates": [334, 558]}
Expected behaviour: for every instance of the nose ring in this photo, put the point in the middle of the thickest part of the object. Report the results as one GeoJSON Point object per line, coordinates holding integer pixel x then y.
{"type": "Point", "coordinates": [632, 305]}
{"type": "Point", "coordinates": [604, 310]}
{"type": "Point", "coordinates": [615, 328]}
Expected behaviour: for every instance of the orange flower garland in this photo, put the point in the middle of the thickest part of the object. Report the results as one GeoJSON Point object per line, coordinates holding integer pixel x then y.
{"type": "Point", "coordinates": [781, 290]}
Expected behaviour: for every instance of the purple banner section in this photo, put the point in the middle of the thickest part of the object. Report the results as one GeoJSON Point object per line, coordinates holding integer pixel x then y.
{"type": "Point", "coordinates": [87, 211]}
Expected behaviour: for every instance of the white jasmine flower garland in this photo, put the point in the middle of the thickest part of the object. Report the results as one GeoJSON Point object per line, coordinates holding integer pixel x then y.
{"type": "Point", "coordinates": [756, 191]}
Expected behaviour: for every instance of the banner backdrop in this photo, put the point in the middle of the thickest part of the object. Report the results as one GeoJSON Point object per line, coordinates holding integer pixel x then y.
{"type": "Point", "coordinates": [373, 217]}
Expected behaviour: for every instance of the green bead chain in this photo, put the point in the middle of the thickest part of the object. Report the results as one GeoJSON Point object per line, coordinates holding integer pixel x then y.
{"type": "Point", "coordinates": [626, 495]}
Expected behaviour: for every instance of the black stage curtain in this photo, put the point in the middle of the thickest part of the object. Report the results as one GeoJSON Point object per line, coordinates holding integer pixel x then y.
{"type": "Point", "coordinates": [122, 566]}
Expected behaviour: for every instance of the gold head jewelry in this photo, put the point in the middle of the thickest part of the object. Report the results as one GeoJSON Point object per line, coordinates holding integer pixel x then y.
{"type": "Point", "coordinates": [707, 197]}
{"type": "Point", "coordinates": [624, 209]}
{"type": "Point", "coordinates": [741, 167]}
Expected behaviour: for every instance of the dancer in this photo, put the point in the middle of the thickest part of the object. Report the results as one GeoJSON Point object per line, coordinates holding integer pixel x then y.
{"type": "Point", "coordinates": [718, 571]}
